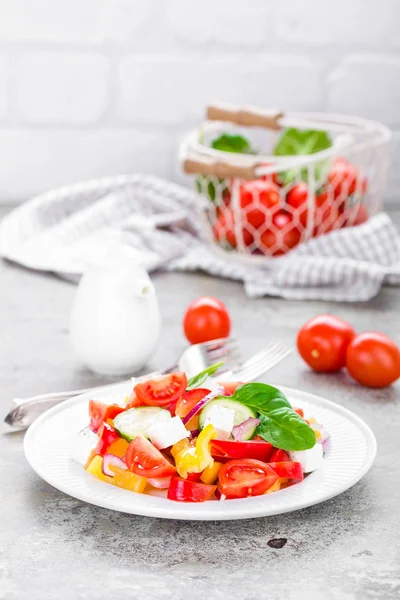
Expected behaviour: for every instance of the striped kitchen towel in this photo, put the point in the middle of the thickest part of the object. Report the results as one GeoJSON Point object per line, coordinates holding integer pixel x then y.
{"type": "Point", "coordinates": [66, 230]}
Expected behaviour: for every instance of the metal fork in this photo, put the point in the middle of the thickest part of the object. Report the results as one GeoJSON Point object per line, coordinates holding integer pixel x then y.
{"type": "Point", "coordinates": [194, 359]}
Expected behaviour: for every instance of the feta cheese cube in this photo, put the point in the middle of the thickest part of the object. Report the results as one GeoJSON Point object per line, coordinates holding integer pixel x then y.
{"type": "Point", "coordinates": [310, 460]}
{"type": "Point", "coordinates": [221, 418]}
{"type": "Point", "coordinates": [166, 433]}
{"type": "Point", "coordinates": [82, 444]}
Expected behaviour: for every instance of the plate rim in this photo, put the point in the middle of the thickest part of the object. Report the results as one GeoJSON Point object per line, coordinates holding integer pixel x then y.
{"type": "Point", "coordinates": [172, 513]}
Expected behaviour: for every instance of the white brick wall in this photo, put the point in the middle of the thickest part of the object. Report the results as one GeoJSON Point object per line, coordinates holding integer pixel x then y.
{"type": "Point", "coordinates": [95, 87]}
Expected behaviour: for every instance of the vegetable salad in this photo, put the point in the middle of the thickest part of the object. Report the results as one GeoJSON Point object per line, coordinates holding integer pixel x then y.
{"type": "Point", "coordinates": [200, 440]}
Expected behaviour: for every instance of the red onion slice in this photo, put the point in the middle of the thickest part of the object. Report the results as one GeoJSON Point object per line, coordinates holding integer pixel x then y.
{"type": "Point", "coordinates": [114, 461]}
{"type": "Point", "coordinates": [161, 483]}
{"type": "Point", "coordinates": [243, 428]}
{"type": "Point", "coordinates": [194, 433]}
{"type": "Point", "coordinates": [197, 408]}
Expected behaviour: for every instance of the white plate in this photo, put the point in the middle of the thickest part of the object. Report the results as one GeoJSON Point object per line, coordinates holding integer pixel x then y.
{"type": "Point", "coordinates": [351, 454]}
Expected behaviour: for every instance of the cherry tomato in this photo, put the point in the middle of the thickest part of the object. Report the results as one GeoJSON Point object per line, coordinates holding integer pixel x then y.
{"type": "Point", "coordinates": [250, 449]}
{"type": "Point", "coordinates": [161, 391]}
{"type": "Point", "coordinates": [144, 459]}
{"type": "Point", "coordinates": [257, 197]}
{"type": "Point", "coordinates": [356, 216]}
{"type": "Point", "coordinates": [373, 359]}
{"type": "Point", "coordinates": [246, 477]}
{"type": "Point", "coordinates": [279, 455]}
{"type": "Point", "coordinates": [344, 179]}
{"type": "Point", "coordinates": [297, 198]}
{"type": "Point", "coordinates": [99, 413]}
{"type": "Point", "coordinates": [274, 177]}
{"type": "Point", "coordinates": [322, 342]}
{"type": "Point", "coordinates": [326, 214]}
{"type": "Point", "coordinates": [206, 319]}
{"type": "Point", "coordinates": [282, 237]}
{"type": "Point", "coordinates": [224, 229]}
{"type": "Point", "coordinates": [183, 490]}
{"type": "Point", "coordinates": [291, 470]}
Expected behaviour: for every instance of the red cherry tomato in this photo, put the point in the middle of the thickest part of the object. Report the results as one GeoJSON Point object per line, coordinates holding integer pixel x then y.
{"type": "Point", "coordinates": [188, 400]}
{"type": "Point", "coordinates": [246, 477]}
{"type": "Point", "coordinates": [373, 359]}
{"type": "Point", "coordinates": [144, 459]}
{"type": "Point", "coordinates": [250, 449]}
{"type": "Point", "coordinates": [99, 413]}
{"type": "Point", "coordinates": [281, 237]}
{"type": "Point", "coordinates": [291, 470]}
{"type": "Point", "coordinates": [297, 198]}
{"type": "Point", "coordinates": [183, 490]}
{"type": "Point", "coordinates": [356, 216]}
{"type": "Point", "coordinates": [224, 229]}
{"type": "Point", "coordinates": [206, 319]}
{"type": "Point", "coordinates": [257, 197]}
{"type": "Point", "coordinates": [279, 455]}
{"type": "Point", "coordinates": [322, 342]}
{"type": "Point", "coordinates": [161, 391]}
{"type": "Point", "coordinates": [344, 179]}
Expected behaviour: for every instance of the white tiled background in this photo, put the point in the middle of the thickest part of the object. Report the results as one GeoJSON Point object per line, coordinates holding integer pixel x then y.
{"type": "Point", "coordinates": [97, 87]}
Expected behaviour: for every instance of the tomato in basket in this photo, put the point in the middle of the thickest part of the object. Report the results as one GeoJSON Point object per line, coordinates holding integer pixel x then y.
{"type": "Point", "coordinates": [224, 229]}
{"type": "Point", "coordinates": [282, 236]}
{"type": "Point", "coordinates": [345, 179]}
{"type": "Point", "coordinates": [257, 198]}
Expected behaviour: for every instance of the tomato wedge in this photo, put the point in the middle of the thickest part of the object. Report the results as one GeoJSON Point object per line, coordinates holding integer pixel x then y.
{"type": "Point", "coordinates": [133, 401]}
{"type": "Point", "coordinates": [299, 411]}
{"type": "Point", "coordinates": [189, 400]}
{"type": "Point", "coordinates": [246, 477]}
{"type": "Point", "coordinates": [144, 459]}
{"type": "Point", "coordinates": [189, 491]}
{"type": "Point", "coordinates": [161, 391]}
{"type": "Point", "coordinates": [279, 455]}
{"type": "Point", "coordinates": [99, 413]}
{"type": "Point", "coordinates": [251, 449]}
{"type": "Point", "coordinates": [291, 470]}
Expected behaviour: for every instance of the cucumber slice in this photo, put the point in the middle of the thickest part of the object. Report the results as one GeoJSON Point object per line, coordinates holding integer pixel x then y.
{"type": "Point", "coordinates": [136, 421]}
{"type": "Point", "coordinates": [242, 413]}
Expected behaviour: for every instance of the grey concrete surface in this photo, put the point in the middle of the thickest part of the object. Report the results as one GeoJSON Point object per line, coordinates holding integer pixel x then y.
{"type": "Point", "coordinates": [55, 547]}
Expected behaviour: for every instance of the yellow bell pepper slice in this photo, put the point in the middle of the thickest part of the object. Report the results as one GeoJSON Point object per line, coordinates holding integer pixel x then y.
{"type": "Point", "coordinates": [123, 479]}
{"type": "Point", "coordinates": [118, 448]}
{"type": "Point", "coordinates": [210, 473]}
{"type": "Point", "coordinates": [275, 487]}
{"type": "Point", "coordinates": [191, 458]}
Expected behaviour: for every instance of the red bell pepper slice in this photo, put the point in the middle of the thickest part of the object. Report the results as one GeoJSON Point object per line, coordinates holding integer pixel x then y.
{"type": "Point", "coordinates": [183, 490]}
{"type": "Point", "coordinates": [107, 435]}
{"type": "Point", "coordinates": [235, 449]}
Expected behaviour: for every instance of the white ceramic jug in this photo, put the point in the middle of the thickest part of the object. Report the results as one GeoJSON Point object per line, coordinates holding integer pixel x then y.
{"type": "Point", "coordinates": [115, 319]}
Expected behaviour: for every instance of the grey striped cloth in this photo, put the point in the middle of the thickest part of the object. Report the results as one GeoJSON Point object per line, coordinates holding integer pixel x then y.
{"type": "Point", "coordinates": [66, 230]}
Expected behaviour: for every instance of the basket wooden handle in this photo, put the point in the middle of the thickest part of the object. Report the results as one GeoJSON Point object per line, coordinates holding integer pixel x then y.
{"type": "Point", "coordinates": [219, 169]}
{"type": "Point", "coordinates": [245, 117]}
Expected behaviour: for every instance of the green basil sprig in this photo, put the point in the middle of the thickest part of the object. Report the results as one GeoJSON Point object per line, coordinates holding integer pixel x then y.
{"type": "Point", "coordinates": [279, 423]}
{"type": "Point", "coordinates": [197, 380]}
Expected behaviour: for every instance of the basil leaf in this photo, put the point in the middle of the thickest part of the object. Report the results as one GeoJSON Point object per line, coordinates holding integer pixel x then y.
{"type": "Point", "coordinates": [297, 141]}
{"type": "Point", "coordinates": [285, 429]}
{"type": "Point", "coordinates": [280, 424]}
{"type": "Point", "coordinates": [232, 143]}
{"type": "Point", "coordinates": [197, 380]}
{"type": "Point", "coordinates": [261, 397]}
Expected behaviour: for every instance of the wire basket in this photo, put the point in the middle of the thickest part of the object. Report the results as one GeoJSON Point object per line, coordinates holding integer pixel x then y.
{"type": "Point", "coordinates": [273, 181]}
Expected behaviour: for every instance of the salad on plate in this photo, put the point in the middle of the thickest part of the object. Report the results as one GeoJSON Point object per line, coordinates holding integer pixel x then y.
{"type": "Point", "coordinates": [197, 439]}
